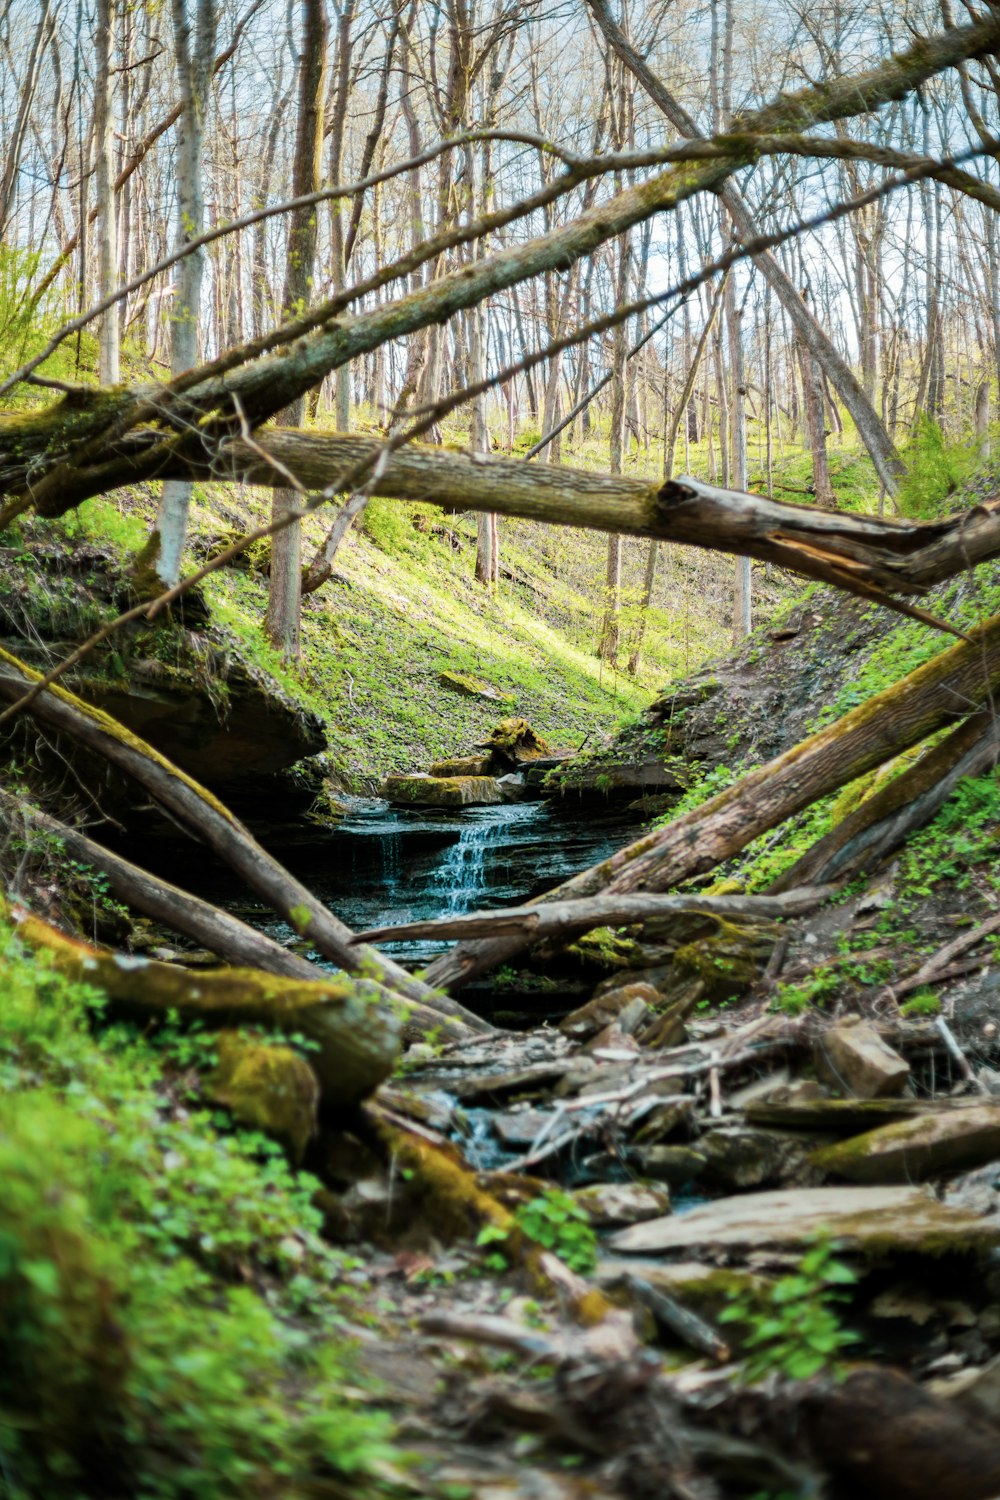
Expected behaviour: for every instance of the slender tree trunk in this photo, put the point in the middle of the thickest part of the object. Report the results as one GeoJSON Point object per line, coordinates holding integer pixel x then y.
{"type": "Point", "coordinates": [284, 593]}
{"type": "Point", "coordinates": [107, 248]}
{"type": "Point", "coordinates": [194, 72]}
{"type": "Point", "coordinates": [743, 590]}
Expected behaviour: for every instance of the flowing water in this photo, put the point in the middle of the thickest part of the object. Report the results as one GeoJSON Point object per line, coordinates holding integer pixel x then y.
{"type": "Point", "coordinates": [382, 865]}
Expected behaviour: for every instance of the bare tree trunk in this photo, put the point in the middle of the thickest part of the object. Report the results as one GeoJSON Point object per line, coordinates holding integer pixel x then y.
{"type": "Point", "coordinates": [812, 398]}
{"type": "Point", "coordinates": [284, 592]}
{"type": "Point", "coordinates": [107, 249]}
{"type": "Point", "coordinates": [743, 591]}
{"type": "Point", "coordinates": [194, 72]}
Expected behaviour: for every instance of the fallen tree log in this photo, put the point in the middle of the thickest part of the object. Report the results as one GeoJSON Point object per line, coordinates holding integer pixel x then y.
{"type": "Point", "coordinates": [232, 940]}
{"type": "Point", "coordinates": [886, 819]}
{"type": "Point", "coordinates": [855, 552]}
{"type": "Point", "coordinates": [941, 691]}
{"type": "Point", "coordinates": [205, 816]}
{"type": "Point", "coordinates": [355, 1023]}
{"type": "Point", "coordinates": [566, 919]}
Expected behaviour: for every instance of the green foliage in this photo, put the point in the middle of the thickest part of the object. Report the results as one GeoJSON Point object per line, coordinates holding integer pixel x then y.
{"type": "Point", "coordinates": [553, 1220]}
{"type": "Point", "coordinates": [935, 469]}
{"type": "Point", "coordinates": [923, 1002]}
{"type": "Point", "coordinates": [169, 1315]}
{"type": "Point", "coordinates": [962, 836]}
{"type": "Point", "coordinates": [793, 1327]}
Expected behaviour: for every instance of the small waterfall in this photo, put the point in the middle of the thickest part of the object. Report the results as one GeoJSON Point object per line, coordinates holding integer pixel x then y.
{"type": "Point", "coordinates": [460, 880]}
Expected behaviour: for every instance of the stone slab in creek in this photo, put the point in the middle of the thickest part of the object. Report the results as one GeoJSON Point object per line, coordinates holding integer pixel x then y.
{"type": "Point", "coordinates": [869, 1219]}
{"type": "Point", "coordinates": [442, 791]}
{"type": "Point", "coordinates": [911, 1150]}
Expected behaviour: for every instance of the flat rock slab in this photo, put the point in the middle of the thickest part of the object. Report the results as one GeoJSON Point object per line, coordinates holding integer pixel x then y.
{"type": "Point", "coordinates": [869, 1219]}
{"type": "Point", "coordinates": [442, 791]}
{"type": "Point", "coordinates": [847, 1116]}
{"type": "Point", "coordinates": [609, 1203]}
{"type": "Point", "coordinates": [911, 1150]}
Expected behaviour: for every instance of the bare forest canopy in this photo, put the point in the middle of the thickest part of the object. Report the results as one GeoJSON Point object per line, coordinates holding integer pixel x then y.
{"type": "Point", "coordinates": [695, 229]}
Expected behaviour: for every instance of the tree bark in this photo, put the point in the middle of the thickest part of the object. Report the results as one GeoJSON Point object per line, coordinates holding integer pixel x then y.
{"type": "Point", "coordinates": [354, 1023]}
{"type": "Point", "coordinates": [285, 584]}
{"type": "Point", "coordinates": [194, 72]}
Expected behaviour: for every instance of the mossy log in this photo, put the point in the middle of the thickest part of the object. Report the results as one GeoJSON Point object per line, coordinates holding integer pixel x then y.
{"type": "Point", "coordinates": [355, 1023]}
{"type": "Point", "coordinates": [201, 812]}
{"type": "Point", "coordinates": [225, 935]}
{"type": "Point", "coordinates": [937, 694]}
{"type": "Point", "coordinates": [266, 1087]}
{"type": "Point", "coordinates": [885, 819]}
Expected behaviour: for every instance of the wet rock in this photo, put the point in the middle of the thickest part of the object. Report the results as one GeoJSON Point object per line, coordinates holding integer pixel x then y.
{"type": "Point", "coordinates": [609, 1204]}
{"type": "Point", "coordinates": [418, 790]}
{"type": "Point", "coordinates": [605, 1008]}
{"type": "Point", "coordinates": [872, 1220]}
{"type": "Point", "coordinates": [911, 1150]}
{"type": "Point", "coordinates": [266, 1088]}
{"type": "Point", "coordinates": [663, 1119]}
{"type": "Point", "coordinates": [737, 1158]}
{"type": "Point", "coordinates": [855, 1060]}
{"type": "Point", "coordinates": [518, 1128]}
{"type": "Point", "coordinates": [674, 1165]}
{"type": "Point", "coordinates": [634, 1018]}
{"type": "Point", "coordinates": [463, 765]}
{"type": "Point", "coordinates": [513, 787]}
{"type": "Point", "coordinates": [473, 687]}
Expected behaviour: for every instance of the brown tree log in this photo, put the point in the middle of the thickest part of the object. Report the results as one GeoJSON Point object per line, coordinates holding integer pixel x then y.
{"type": "Point", "coordinates": [201, 812]}
{"type": "Point", "coordinates": [923, 702]}
{"type": "Point", "coordinates": [564, 920]}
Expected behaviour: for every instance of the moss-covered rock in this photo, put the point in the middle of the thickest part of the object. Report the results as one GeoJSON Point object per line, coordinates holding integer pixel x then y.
{"type": "Point", "coordinates": [473, 687]}
{"type": "Point", "coordinates": [911, 1150]}
{"type": "Point", "coordinates": [514, 743]}
{"type": "Point", "coordinates": [442, 791]}
{"type": "Point", "coordinates": [463, 765]}
{"type": "Point", "coordinates": [266, 1087]}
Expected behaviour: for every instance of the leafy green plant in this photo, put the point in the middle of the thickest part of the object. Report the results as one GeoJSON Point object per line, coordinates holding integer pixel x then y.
{"type": "Point", "coordinates": [934, 470]}
{"type": "Point", "coordinates": [553, 1220]}
{"type": "Point", "coordinates": [923, 1002]}
{"type": "Point", "coordinates": [794, 1328]}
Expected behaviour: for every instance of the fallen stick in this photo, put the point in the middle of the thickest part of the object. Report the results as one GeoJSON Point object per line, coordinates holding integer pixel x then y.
{"type": "Point", "coordinates": [965, 1068]}
{"type": "Point", "coordinates": [944, 689]}
{"type": "Point", "coordinates": [201, 812]}
{"type": "Point", "coordinates": [557, 919]}
{"type": "Point", "coordinates": [940, 961]}
{"type": "Point", "coordinates": [673, 1315]}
